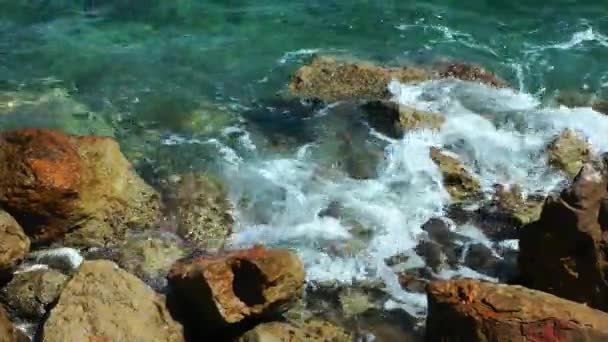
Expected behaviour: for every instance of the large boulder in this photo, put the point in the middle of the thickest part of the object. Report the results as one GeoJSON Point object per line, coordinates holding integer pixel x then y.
{"type": "Point", "coordinates": [394, 119]}
{"type": "Point", "coordinates": [29, 294]}
{"type": "Point", "coordinates": [14, 244]}
{"type": "Point", "coordinates": [459, 182]}
{"type": "Point", "coordinates": [221, 292]}
{"type": "Point", "coordinates": [469, 310]}
{"type": "Point", "coordinates": [53, 184]}
{"type": "Point", "coordinates": [565, 252]}
{"type": "Point", "coordinates": [104, 303]}
{"type": "Point", "coordinates": [313, 330]}
{"type": "Point", "coordinates": [568, 152]}
{"type": "Point", "coordinates": [330, 79]}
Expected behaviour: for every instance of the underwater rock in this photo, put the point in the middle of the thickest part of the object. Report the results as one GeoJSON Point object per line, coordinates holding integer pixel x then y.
{"type": "Point", "coordinates": [14, 244]}
{"type": "Point", "coordinates": [394, 119]}
{"type": "Point", "coordinates": [564, 252]}
{"type": "Point", "coordinates": [105, 303]}
{"type": "Point", "coordinates": [471, 73]}
{"type": "Point", "coordinates": [330, 79]}
{"type": "Point", "coordinates": [81, 185]}
{"type": "Point", "coordinates": [29, 294]}
{"type": "Point", "coordinates": [478, 311]}
{"type": "Point", "coordinates": [312, 330]}
{"type": "Point", "coordinates": [568, 152]}
{"type": "Point", "coordinates": [459, 183]}
{"type": "Point", "coordinates": [219, 293]}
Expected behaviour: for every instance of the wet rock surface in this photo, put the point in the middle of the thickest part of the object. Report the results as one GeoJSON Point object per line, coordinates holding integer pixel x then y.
{"type": "Point", "coordinates": [459, 183]}
{"type": "Point", "coordinates": [14, 244]}
{"type": "Point", "coordinates": [568, 152]}
{"type": "Point", "coordinates": [394, 119]}
{"type": "Point", "coordinates": [471, 73]}
{"type": "Point", "coordinates": [313, 330]}
{"type": "Point", "coordinates": [104, 303]}
{"type": "Point", "coordinates": [470, 310]}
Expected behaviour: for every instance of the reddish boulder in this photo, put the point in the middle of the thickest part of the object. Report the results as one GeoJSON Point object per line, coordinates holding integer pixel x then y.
{"type": "Point", "coordinates": [565, 252]}
{"type": "Point", "coordinates": [53, 183]}
{"type": "Point", "coordinates": [470, 310]}
{"type": "Point", "coordinates": [223, 291]}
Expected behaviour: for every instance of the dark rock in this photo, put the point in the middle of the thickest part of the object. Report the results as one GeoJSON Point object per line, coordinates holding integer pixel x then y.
{"type": "Point", "coordinates": [394, 119]}
{"type": "Point", "coordinates": [480, 258]}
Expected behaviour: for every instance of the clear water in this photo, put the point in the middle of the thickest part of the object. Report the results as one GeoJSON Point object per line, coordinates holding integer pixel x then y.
{"type": "Point", "coordinates": [139, 68]}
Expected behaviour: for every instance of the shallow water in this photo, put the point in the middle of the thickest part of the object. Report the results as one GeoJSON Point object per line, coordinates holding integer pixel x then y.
{"type": "Point", "coordinates": [143, 69]}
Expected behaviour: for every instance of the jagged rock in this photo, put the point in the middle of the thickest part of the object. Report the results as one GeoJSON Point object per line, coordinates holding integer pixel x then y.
{"type": "Point", "coordinates": [435, 256]}
{"type": "Point", "coordinates": [81, 185]}
{"type": "Point", "coordinates": [29, 294]}
{"type": "Point", "coordinates": [415, 279]}
{"type": "Point", "coordinates": [8, 332]}
{"type": "Point", "coordinates": [104, 303]}
{"type": "Point", "coordinates": [469, 310]}
{"type": "Point", "coordinates": [201, 209]}
{"type": "Point", "coordinates": [313, 330]}
{"type": "Point", "coordinates": [471, 73]}
{"type": "Point", "coordinates": [14, 244]}
{"type": "Point", "coordinates": [330, 79]}
{"type": "Point", "coordinates": [480, 258]}
{"type": "Point", "coordinates": [600, 106]}
{"type": "Point", "coordinates": [564, 252]}
{"type": "Point", "coordinates": [459, 183]}
{"type": "Point", "coordinates": [394, 119]}
{"type": "Point", "coordinates": [221, 292]}
{"type": "Point", "coordinates": [568, 152]}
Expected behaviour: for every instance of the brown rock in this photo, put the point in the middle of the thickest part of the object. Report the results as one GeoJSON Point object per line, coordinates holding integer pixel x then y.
{"type": "Point", "coordinates": [394, 119]}
{"type": "Point", "coordinates": [222, 291]}
{"type": "Point", "coordinates": [104, 303]}
{"type": "Point", "coordinates": [14, 245]}
{"type": "Point", "coordinates": [330, 79]}
{"type": "Point", "coordinates": [471, 73]}
{"type": "Point", "coordinates": [8, 332]}
{"type": "Point", "coordinates": [600, 106]}
{"type": "Point", "coordinates": [469, 310]}
{"type": "Point", "coordinates": [565, 252]}
{"type": "Point", "coordinates": [53, 183]}
{"type": "Point", "coordinates": [29, 294]}
{"type": "Point", "coordinates": [459, 183]}
{"type": "Point", "coordinates": [314, 331]}
{"type": "Point", "coordinates": [568, 152]}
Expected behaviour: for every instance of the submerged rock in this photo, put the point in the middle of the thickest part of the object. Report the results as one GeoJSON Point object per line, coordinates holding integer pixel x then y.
{"type": "Point", "coordinates": [81, 185]}
{"type": "Point", "coordinates": [219, 293]}
{"type": "Point", "coordinates": [459, 183]}
{"type": "Point", "coordinates": [471, 73]}
{"type": "Point", "coordinates": [104, 303]}
{"type": "Point", "coordinates": [564, 252]}
{"type": "Point", "coordinates": [469, 310]}
{"type": "Point", "coordinates": [29, 294]}
{"type": "Point", "coordinates": [14, 244]}
{"type": "Point", "coordinates": [313, 330]}
{"type": "Point", "coordinates": [331, 79]}
{"type": "Point", "coordinates": [394, 119]}
{"type": "Point", "coordinates": [568, 152]}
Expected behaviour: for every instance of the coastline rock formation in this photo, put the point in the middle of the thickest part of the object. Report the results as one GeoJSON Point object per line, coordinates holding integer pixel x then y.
{"type": "Point", "coordinates": [459, 183]}
{"type": "Point", "coordinates": [568, 152]}
{"type": "Point", "coordinates": [14, 244]}
{"type": "Point", "coordinates": [394, 119]}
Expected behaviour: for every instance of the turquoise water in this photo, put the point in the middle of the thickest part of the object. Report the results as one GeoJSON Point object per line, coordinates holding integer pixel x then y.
{"type": "Point", "coordinates": [192, 84]}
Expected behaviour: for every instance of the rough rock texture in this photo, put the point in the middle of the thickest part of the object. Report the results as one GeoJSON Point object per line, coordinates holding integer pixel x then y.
{"type": "Point", "coordinates": [394, 119]}
{"type": "Point", "coordinates": [29, 294]}
{"type": "Point", "coordinates": [568, 152]}
{"type": "Point", "coordinates": [53, 183]}
{"type": "Point", "coordinates": [565, 251]}
{"type": "Point", "coordinates": [104, 303]}
{"type": "Point", "coordinates": [469, 310]}
{"type": "Point", "coordinates": [471, 73]}
{"type": "Point", "coordinates": [223, 291]}
{"type": "Point", "coordinates": [458, 181]}
{"type": "Point", "coordinates": [600, 106]}
{"type": "Point", "coordinates": [330, 79]}
{"type": "Point", "coordinates": [314, 331]}
{"type": "Point", "coordinates": [8, 332]}
{"type": "Point", "coordinates": [201, 209]}
{"type": "Point", "coordinates": [14, 244]}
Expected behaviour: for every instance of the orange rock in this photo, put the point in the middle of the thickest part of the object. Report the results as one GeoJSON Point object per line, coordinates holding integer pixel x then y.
{"type": "Point", "coordinates": [225, 290]}
{"type": "Point", "coordinates": [470, 310]}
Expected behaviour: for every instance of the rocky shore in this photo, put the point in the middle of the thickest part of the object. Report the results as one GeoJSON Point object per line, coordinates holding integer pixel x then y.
{"type": "Point", "coordinates": [90, 251]}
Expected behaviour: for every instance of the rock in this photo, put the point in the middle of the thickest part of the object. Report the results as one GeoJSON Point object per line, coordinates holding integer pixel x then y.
{"type": "Point", "coordinates": [394, 119]}
{"type": "Point", "coordinates": [440, 232]}
{"type": "Point", "coordinates": [459, 183]}
{"type": "Point", "coordinates": [313, 330]}
{"type": "Point", "coordinates": [433, 255]}
{"type": "Point", "coordinates": [104, 303]}
{"type": "Point", "coordinates": [221, 292]}
{"type": "Point", "coordinates": [469, 310]}
{"type": "Point", "coordinates": [600, 106]}
{"type": "Point", "coordinates": [150, 256]}
{"type": "Point", "coordinates": [81, 185]}
{"type": "Point", "coordinates": [14, 244]}
{"type": "Point", "coordinates": [416, 279]}
{"type": "Point", "coordinates": [330, 79]}
{"type": "Point", "coordinates": [29, 294]}
{"type": "Point", "coordinates": [564, 252]}
{"type": "Point", "coordinates": [471, 73]}
{"type": "Point", "coordinates": [568, 152]}
{"type": "Point", "coordinates": [480, 258]}
{"type": "Point", "coordinates": [8, 332]}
